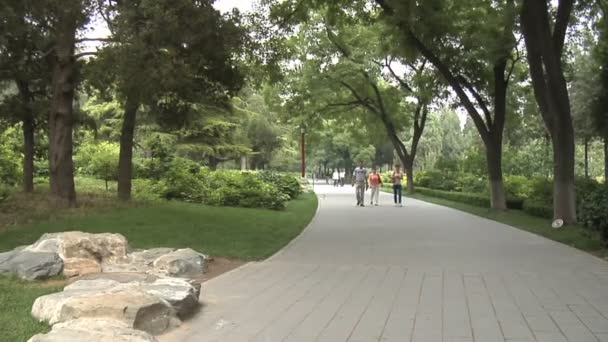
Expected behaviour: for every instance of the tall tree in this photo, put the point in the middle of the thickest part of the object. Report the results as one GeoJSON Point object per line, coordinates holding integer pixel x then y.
{"type": "Point", "coordinates": [22, 64]}
{"type": "Point", "coordinates": [480, 76]}
{"type": "Point", "coordinates": [168, 55]}
{"type": "Point", "coordinates": [63, 20]}
{"type": "Point", "coordinates": [545, 44]}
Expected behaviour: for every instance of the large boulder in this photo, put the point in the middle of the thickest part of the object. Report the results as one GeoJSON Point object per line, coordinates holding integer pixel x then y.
{"type": "Point", "coordinates": [181, 263]}
{"type": "Point", "coordinates": [93, 330]}
{"type": "Point", "coordinates": [31, 265]}
{"type": "Point", "coordinates": [181, 294]}
{"type": "Point", "coordinates": [120, 277]}
{"type": "Point", "coordinates": [138, 309]}
{"type": "Point", "coordinates": [137, 261]}
{"type": "Point", "coordinates": [148, 303]}
{"type": "Point", "coordinates": [82, 253]}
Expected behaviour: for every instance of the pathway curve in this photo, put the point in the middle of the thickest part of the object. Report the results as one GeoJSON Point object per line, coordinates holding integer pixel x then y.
{"type": "Point", "coordinates": [421, 273]}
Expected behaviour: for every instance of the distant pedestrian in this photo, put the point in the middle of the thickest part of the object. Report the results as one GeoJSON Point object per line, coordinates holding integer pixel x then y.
{"type": "Point", "coordinates": [375, 182]}
{"type": "Point", "coordinates": [360, 183]}
{"type": "Point", "coordinates": [336, 177]}
{"type": "Point", "coordinates": [396, 179]}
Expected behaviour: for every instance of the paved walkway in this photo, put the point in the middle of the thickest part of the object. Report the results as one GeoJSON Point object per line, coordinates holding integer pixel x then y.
{"type": "Point", "coordinates": [421, 273]}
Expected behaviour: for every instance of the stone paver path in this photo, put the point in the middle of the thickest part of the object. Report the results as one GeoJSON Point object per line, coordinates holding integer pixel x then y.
{"type": "Point", "coordinates": [421, 273]}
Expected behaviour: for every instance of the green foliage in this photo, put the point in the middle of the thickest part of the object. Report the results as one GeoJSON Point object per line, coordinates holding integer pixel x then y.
{"type": "Point", "coordinates": [517, 186]}
{"type": "Point", "coordinates": [538, 209]}
{"type": "Point", "coordinates": [286, 184]}
{"type": "Point", "coordinates": [593, 211]}
{"type": "Point", "coordinates": [98, 159]}
{"type": "Point", "coordinates": [183, 182]}
{"type": "Point", "coordinates": [186, 181]}
{"type": "Point", "coordinates": [243, 189]}
{"type": "Point", "coordinates": [435, 179]}
{"type": "Point", "coordinates": [468, 182]}
{"type": "Point", "coordinates": [10, 159]}
{"type": "Point", "coordinates": [5, 192]}
{"type": "Point", "coordinates": [463, 197]}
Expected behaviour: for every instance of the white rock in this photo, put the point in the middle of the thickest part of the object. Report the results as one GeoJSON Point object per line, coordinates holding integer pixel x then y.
{"type": "Point", "coordinates": [93, 330]}
{"type": "Point", "coordinates": [82, 253]}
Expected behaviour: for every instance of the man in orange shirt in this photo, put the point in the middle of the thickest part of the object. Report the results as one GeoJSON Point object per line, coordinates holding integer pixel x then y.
{"type": "Point", "coordinates": [375, 182]}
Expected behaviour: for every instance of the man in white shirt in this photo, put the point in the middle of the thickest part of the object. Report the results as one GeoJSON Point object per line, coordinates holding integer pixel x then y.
{"type": "Point", "coordinates": [360, 182]}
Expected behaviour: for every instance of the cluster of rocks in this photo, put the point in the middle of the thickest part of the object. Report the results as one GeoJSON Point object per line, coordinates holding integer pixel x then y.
{"type": "Point", "coordinates": [116, 294]}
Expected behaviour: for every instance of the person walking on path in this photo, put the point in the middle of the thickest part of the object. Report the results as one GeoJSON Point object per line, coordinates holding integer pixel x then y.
{"type": "Point", "coordinates": [360, 183]}
{"type": "Point", "coordinates": [396, 179]}
{"type": "Point", "coordinates": [336, 177]}
{"type": "Point", "coordinates": [375, 182]}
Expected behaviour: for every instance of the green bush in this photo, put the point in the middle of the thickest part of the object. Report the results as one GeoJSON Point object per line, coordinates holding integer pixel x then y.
{"type": "Point", "coordinates": [469, 182]}
{"type": "Point", "coordinates": [538, 209]}
{"type": "Point", "coordinates": [480, 200]}
{"type": "Point", "coordinates": [5, 192]}
{"type": "Point", "coordinates": [183, 181]}
{"type": "Point", "coordinates": [541, 191]}
{"type": "Point", "coordinates": [517, 186]}
{"type": "Point", "coordinates": [148, 189]}
{"type": "Point", "coordinates": [286, 184]}
{"type": "Point", "coordinates": [10, 165]}
{"type": "Point", "coordinates": [434, 179]}
{"type": "Point", "coordinates": [593, 210]}
{"type": "Point", "coordinates": [464, 197]}
{"type": "Point", "coordinates": [243, 189]}
{"type": "Point", "coordinates": [98, 159]}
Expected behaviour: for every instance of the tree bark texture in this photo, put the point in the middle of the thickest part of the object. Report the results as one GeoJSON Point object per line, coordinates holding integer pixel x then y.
{"type": "Point", "coordinates": [61, 119]}
{"type": "Point", "coordinates": [586, 143]}
{"type": "Point", "coordinates": [28, 136]}
{"type": "Point", "coordinates": [125, 159]}
{"type": "Point", "coordinates": [544, 47]}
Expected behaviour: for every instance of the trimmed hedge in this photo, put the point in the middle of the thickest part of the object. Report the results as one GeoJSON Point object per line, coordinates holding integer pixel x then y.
{"type": "Point", "coordinates": [593, 211]}
{"type": "Point", "coordinates": [480, 200]}
{"type": "Point", "coordinates": [185, 180]}
{"type": "Point", "coordinates": [538, 209]}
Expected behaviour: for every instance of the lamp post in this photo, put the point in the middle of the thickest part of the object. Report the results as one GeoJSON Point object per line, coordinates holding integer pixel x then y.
{"type": "Point", "coordinates": [303, 145]}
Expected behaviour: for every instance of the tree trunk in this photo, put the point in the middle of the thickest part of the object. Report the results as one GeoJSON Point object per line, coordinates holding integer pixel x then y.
{"type": "Point", "coordinates": [586, 142]}
{"type": "Point", "coordinates": [125, 161]}
{"type": "Point", "coordinates": [28, 137]}
{"type": "Point", "coordinates": [409, 174]}
{"type": "Point", "coordinates": [498, 198]}
{"type": "Point", "coordinates": [564, 196]}
{"type": "Point", "coordinates": [61, 118]}
{"type": "Point", "coordinates": [28, 153]}
{"type": "Point", "coordinates": [606, 160]}
{"type": "Point", "coordinates": [544, 46]}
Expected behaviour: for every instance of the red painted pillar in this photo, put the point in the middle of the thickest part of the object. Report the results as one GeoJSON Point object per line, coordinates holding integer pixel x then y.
{"type": "Point", "coordinates": [303, 143]}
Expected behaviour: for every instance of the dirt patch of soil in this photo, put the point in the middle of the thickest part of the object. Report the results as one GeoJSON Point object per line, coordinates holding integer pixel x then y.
{"type": "Point", "coordinates": [218, 266]}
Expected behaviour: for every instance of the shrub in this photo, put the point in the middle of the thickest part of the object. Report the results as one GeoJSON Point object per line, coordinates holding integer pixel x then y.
{"type": "Point", "coordinates": [541, 191]}
{"type": "Point", "coordinates": [480, 200]}
{"type": "Point", "coordinates": [464, 197]}
{"type": "Point", "coordinates": [244, 189]}
{"type": "Point", "coordinates": [99, 160]}
{"type": "Point", "coordinates": [10, 165]}
{"type": "Point", "coordinates": [148, 190]}
{"type": "Point", "coordinates": [286, 184]}
{"type": "Point", "coordinates": [538, 209]}
{"type": "Point", "coordinates": [593, 212]}
{"type": "Point", "coordinates": [434, 179]}
{"type": "Point", "coordinates": [183, 182]}
{"type": "Point", "coordinates": [517, 186]}
{"type": "Point", "coordinates": [5, 192]}
{"type": "Point", "coordinates": [469, 182]}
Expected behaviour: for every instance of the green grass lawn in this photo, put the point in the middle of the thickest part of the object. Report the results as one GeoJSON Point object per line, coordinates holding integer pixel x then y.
{"type": "Point", "coordinates": [16, 298]}
{"type": "Point", "coordinates": [238, 233]}
{"type": "Point", "coordinates": [575, 236]}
